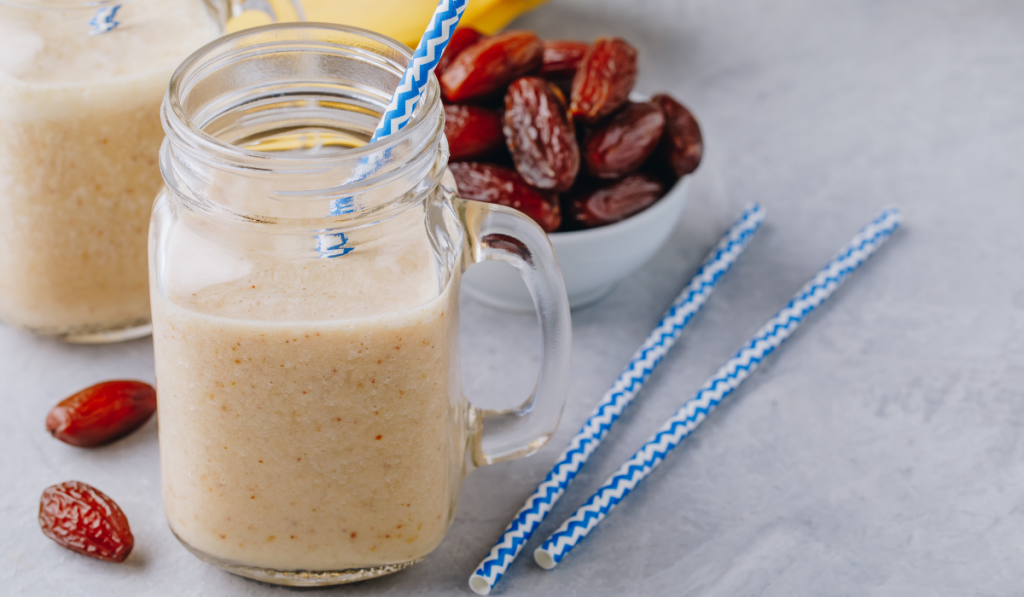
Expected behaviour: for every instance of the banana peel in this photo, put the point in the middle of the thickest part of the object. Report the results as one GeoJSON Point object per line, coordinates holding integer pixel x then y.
{"type": "Point", "coordinates": [404, 20]}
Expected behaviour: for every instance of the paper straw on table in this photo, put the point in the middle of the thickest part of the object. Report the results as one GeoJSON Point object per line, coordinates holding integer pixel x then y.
{"type": "Point", "coordinates": [727, 379]}
{"type": "Point", "coordinates": [618, 397]}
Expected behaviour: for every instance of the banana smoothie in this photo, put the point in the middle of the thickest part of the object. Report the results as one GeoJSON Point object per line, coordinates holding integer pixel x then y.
{"type": "Point", "coordinates": [310, 410]}
{"type": "Point", "coordinates": [79, 139]}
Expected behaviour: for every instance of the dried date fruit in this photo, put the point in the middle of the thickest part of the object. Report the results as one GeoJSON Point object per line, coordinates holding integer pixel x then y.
{"type": "Point", "coordinates": [682, 144]}
{"type": "Point", "coordinates": [490, 64]}
{"type": "Point", "coordinates": [604, 79]}
{"type": "Point", "coordinates": [472, 132]}
{"type": "Point", "coordinates": [621, 145]}
{"type": "Point", "coordinates": [85, 520]}
{"type": "Point", "coordinates": [611, 202]}
{"type": "Point", "coordinates": [102, 413]}
{"type": "Point", "coordinates": [496, 184]}
{"type": "Point", "coordinates": [461, 39]}
{"type": "Point", "coordinates": [540, 135]}
{"type": "Point", "coordinates": [562, 58]}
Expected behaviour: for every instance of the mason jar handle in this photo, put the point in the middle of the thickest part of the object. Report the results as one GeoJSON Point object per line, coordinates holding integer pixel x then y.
{"type": "Point", "coordinates": [237, 7]}
{"type": "Point", "coordinates": [503, 234]}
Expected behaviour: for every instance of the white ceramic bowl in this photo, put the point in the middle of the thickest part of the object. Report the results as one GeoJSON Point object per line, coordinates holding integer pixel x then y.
{"type": "Point", "coordinates": [592, 261]}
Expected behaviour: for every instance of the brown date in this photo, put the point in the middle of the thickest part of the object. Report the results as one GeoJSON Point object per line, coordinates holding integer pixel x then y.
{"type": "Point", "coordinates": [540, 135]}
{"type": "Point", "coordinates": [461, 39]}
{"type": "Point", "coordinates": [102, 413]}
{"type": "Point", "coordinates": [472, 132]}
{"type": "Point", "coordinates": [562, 58]}
{"type": "Point", "coordinates": [491, 63]}
{"type": "Point", "coordinates": [604, 79]}
{"type": "Point", "coordinates": [682, 144]}
{"type": "Point", "coordinates": [496, 184]}
{"type": "Point", "coordinates": [85, 520]}
{"type": "Point", "coordinates": [620, 145]}
{"type": "Point", "coordinates": [611, 202]}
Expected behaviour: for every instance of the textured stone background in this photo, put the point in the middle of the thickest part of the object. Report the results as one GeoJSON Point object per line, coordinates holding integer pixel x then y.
{"type": "Point", "coordinates": [880, 453]}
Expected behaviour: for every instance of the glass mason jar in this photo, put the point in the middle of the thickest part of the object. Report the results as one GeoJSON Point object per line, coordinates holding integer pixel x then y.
{"type": "Point", "coordinates": [81, 83]}
{"type": "Point", "coordinates": [305, 288]}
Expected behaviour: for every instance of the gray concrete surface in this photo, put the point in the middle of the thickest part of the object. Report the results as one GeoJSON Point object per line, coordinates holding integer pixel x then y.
{"type": "Point", "coordinates": [879, 453]}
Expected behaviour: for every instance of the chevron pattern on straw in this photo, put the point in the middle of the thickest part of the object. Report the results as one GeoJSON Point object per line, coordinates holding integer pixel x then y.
{"type": "Point", "coordinates": [103, 21]}
{"type": "Point", "coordinates": [727, 379]}
{"type": "Point", "coordinates": [618, 397]}
{"type": "Point", "coordinates": [435, 39]}
{"type": "Point", "coordinates": [403, 104]}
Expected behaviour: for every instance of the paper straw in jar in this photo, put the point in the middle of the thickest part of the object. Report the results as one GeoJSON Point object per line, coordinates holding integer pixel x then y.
{"type": "Point", "coordinates": [616, 399]}
{"type": "Point", "coordinates": [723, 383]}
{"type": "Point", "coordinates": [403, 104]}
{"type": "Point", "coordinates": [424, 60]}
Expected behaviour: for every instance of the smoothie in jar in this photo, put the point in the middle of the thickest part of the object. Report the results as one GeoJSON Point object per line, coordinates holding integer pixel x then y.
{"type": "Point", "coordinates": [309, 420]}
{"type": "Point", "coordinates": [79, 138]}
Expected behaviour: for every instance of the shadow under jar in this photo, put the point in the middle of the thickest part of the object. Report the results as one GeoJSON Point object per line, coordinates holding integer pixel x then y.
{"type": "Point", "coordinates": [80, 89]}
{"type": "Point", "coordinates": [305, 292]}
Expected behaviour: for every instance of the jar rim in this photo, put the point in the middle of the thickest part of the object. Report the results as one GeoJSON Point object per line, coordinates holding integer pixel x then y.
{"type": "Point", "coordinates": [240, 156]}
{"type": "Point", "coordinates": [254, 72]}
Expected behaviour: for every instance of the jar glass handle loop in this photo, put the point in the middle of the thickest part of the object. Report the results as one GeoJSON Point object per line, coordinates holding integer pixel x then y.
{"type": "Point", "coordinates": [503, 234]}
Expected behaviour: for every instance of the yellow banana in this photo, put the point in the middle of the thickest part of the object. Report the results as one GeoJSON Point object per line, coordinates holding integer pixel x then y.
{"type": "Point", "coordinates": [403, 20]}
{"type": "Point", "coordinates": [490, 16]}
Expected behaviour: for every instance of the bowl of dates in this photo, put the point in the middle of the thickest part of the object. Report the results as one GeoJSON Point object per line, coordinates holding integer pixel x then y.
{"type": "Point", "coordinates": [554, 129]}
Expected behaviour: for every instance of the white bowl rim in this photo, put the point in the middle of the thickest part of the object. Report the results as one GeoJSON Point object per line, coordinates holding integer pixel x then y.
{"type": "Point", "coordinates": [672, 196]}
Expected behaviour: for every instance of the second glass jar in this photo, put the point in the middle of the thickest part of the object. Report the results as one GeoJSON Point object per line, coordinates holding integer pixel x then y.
{"type": "Point", "coordinates": [80, 89]}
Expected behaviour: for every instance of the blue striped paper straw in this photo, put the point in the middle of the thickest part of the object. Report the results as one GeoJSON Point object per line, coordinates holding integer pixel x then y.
{"type": "Point", "coordinates": [727, 379]}
{"type": "Point", "coordinates": [618, 397]}
{"type": "Point", "coordinates": [424, 60]}
{"type": "Point", "coordinates": [403, 104]}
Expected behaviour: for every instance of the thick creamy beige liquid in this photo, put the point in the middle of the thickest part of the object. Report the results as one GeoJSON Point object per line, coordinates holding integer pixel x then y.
{"type": "Point", "coordinates": [310, 412]}
{"type": "Point", "coordinates": [79, 136]}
